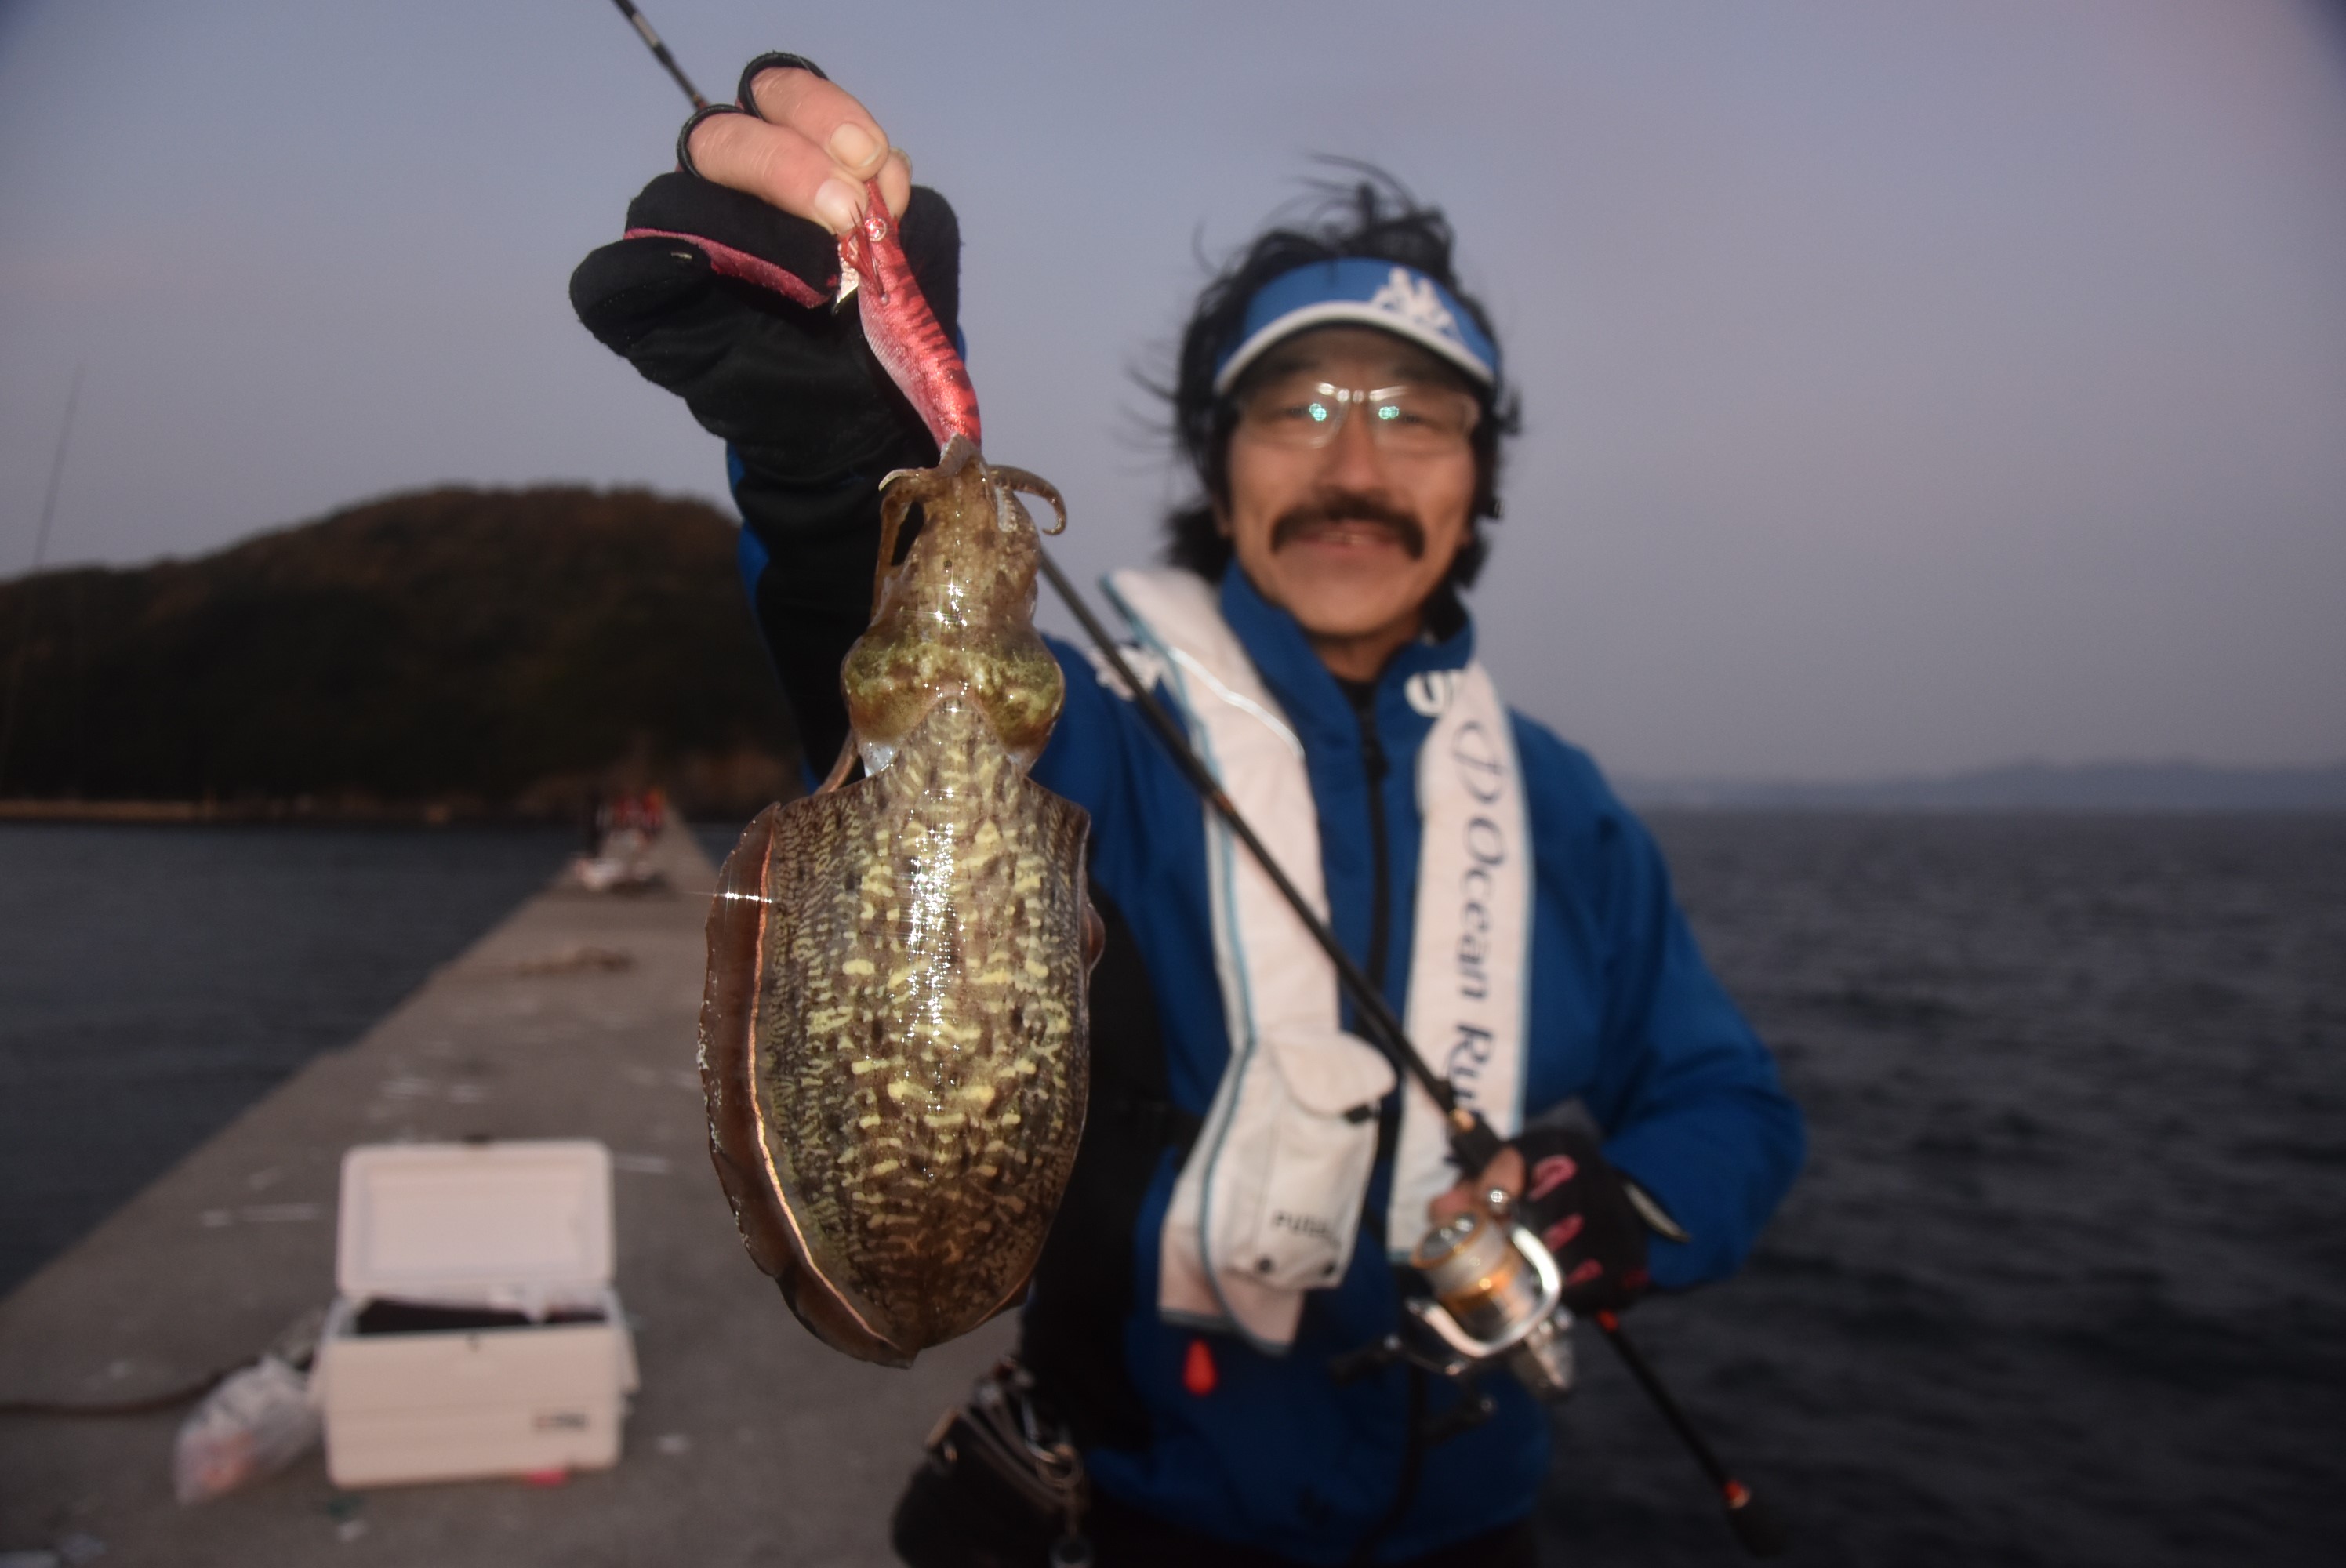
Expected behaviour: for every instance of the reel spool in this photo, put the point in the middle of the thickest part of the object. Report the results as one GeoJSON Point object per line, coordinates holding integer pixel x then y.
{"type": "Point", "coordinates": [1498, 1293]}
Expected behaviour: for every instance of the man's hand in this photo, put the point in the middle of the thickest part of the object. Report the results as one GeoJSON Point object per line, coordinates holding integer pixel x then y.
{"type": "Point", "coordinates": [1576, 1202]}
{"type": "Point", "coordinates": [721, 293]}
{"type": "Point", "coordinates": [1504, 1174]}
{"type": "Point", "coordinates": [807, 147]}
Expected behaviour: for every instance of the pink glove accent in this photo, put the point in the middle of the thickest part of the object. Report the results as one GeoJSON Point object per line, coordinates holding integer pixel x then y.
{"type": "Point", "coordinates": [749, 268]}
{"type": "Point", "coordinates": [1551, 1174]}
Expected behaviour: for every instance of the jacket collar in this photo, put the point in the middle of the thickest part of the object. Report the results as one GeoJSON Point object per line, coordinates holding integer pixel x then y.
{"type": "Point", "coordinates": [1309, 694]}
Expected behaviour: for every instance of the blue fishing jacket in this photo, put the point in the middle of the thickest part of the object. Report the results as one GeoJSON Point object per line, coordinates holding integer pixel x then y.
{"type": "Point", "coordinates": [1624, 1015]}
{"type": "Point", "coordinates": [1276, 1453]}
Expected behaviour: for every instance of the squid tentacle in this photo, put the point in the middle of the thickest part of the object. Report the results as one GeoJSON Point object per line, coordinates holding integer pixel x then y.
{"type": "Point", "coordinates": [1034, 484]}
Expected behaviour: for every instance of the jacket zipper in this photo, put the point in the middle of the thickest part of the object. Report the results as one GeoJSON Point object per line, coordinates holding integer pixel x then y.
{"type": "Point", "coordinates": [1375, 766]}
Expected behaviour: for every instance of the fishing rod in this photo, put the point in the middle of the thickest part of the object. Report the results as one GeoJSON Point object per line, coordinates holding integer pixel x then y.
{"type": "Point", "coordinates": [659, 52]}
{"type": "Point", "coordinates": [1472, 1141]}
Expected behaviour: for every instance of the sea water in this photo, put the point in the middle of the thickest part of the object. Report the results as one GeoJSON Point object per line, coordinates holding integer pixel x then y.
{"type": "Point", "coordinates": [2064, 1280]}
{"type": "Point", "coordinates": [155, 981]}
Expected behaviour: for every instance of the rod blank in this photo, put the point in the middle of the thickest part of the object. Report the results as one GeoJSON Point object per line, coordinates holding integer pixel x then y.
{"type": "Point", "coordinates": [659, 52]}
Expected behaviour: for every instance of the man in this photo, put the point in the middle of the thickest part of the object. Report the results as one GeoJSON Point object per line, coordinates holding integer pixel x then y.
{"type": "Point", "coordinates": [1226, 1259]}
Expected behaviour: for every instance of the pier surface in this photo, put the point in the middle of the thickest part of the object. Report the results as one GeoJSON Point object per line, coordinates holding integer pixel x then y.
{"type": "Point", "coordinates": [749, 1442]}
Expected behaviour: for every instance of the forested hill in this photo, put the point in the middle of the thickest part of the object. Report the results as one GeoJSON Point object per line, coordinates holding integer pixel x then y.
{"type": "Point", "coordinates": [451, 650]}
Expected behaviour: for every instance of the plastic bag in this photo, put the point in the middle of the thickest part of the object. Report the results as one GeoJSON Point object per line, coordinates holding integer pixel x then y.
{"type": "Point", "coordinates": [258, 1421]}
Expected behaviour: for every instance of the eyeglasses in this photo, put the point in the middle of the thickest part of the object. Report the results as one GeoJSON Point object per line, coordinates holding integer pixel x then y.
{"type": "Point", "coordinates": [1409, 419]}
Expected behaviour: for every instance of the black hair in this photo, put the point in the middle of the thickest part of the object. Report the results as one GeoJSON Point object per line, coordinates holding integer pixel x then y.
{"type": "Point", "coordinates": [1371, 215]}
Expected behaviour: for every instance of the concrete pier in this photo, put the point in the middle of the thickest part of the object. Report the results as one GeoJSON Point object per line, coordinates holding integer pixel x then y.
{"type": "Point", "coordinates": [750, 1441]}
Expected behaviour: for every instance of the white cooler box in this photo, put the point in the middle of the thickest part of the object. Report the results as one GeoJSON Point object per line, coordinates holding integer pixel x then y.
{"type": "Point", "coordinates": [455, 1229]}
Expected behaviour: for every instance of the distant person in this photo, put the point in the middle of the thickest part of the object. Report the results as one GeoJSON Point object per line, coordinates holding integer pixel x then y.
{"type": "Point", "coordinates": [1342, 403]}
{"type": "Point", "coordinates": [593, 820]}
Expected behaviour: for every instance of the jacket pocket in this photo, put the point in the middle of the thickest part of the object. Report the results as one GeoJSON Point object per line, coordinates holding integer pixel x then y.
{"type": "Point", "coordinates": [1283, 1196]}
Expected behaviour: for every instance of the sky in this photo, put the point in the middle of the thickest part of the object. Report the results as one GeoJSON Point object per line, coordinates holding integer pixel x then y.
{"type": "Point", "coordinates": [1906, 388]}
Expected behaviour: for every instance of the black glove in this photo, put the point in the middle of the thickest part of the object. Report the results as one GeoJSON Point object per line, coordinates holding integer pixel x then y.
{"type": "Point", "coordinates": [725, 303]}
{"type": "Point", "coordinates": [724, 300]}
{"type": "Point", "coordinates": [1583, 1208]}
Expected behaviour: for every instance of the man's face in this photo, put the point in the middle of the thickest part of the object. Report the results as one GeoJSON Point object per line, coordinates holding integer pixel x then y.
{"type": "Point", "coordinates": [1352, 536]}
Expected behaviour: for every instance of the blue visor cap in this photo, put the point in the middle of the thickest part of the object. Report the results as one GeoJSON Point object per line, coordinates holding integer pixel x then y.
{"type": "Point", "coordinates": [1360, 291]}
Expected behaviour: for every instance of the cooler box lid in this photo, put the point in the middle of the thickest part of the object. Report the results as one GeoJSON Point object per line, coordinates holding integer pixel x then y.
{"type": "Point", "coordinates": [468, 1222]}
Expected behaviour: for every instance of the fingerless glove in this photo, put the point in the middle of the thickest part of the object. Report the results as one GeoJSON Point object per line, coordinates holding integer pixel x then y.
{"type": "Point", "coordinates": [1580, 1206]}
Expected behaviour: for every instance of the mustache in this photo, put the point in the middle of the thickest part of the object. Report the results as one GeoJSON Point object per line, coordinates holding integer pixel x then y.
{"type": "Point", "coordinates": [1349, 506]}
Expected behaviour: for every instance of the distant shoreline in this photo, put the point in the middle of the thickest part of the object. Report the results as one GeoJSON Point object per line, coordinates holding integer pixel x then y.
{"type": "Point", "coordinates": [1737, 807]}
{"type": "Point", "coordinates": [2126, 788]}
{"type": "Point", "coordinates": [431, 814]}
{"type": "Point", "coordinates": [452, 655]}
{"type": "Point", "coordinates": [443, 814]}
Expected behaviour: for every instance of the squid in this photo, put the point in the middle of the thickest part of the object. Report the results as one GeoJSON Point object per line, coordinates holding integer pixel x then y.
{"type": "Point", "coordinates": [894, 1031]}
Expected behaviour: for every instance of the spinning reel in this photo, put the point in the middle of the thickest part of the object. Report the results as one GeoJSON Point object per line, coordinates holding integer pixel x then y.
{"type": "Point", "coordinates": [1498, 1297]}
{"type": "Point", "coordinates": [1497, 1301]}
